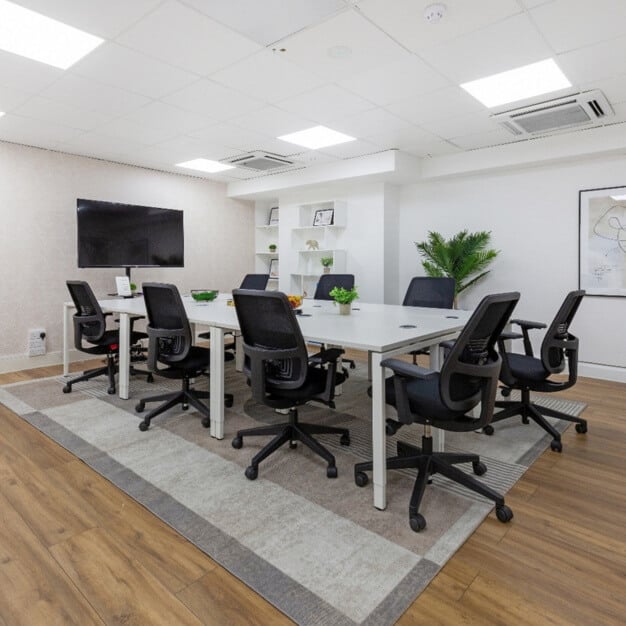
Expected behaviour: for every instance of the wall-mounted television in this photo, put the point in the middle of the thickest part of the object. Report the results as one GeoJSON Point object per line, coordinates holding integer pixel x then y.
{"type": "Point", "coordinates": [112, 234]}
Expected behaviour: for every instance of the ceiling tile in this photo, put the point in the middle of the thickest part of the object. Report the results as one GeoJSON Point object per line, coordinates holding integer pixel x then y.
{"type": "Point", "coordinates": [32, 132]}
{"type": "Point", "coordinates": [273, 121]}
{"type": "Point", "coordinates": [105, 18]}
{"type": "Point", "coordinates": [432, 149]}
{"type": "Point", "coordinates": [406, 23]}
{"type": "Point", "coordinates": [216, 101]}
{"type": "Point", "coordinates": [402, 138]}
{"type": "Point", "coordinates": [461, 125]}
{"type": "Point", "coordinates": [267, 76]}
{"type": "Point", "coordinates": [233, 136]}
{"type": "Point", "coordinates": [91, 95]}
{"type": "Point", "coordinates": [23, 74]}
{"type": "Point", "coordinates": [595, 62]}
{"type": "Point", "coordinates": [164, 116]}
{"type": "Point", "coordinates": [99, 146]}
{"type": "Point", "coordinates": [124, 68]}
{"type": "Point", "coordinates": [182, 148]}
{"type": "Point", "coordinates": [493, 137]}
{"type": "Point", "coordinates": [268, 21]}
{"type": "Point", "coordinates": [489, 51]}
{"type": "Point", "coordinates": [46, 110]}
{"type": "Point", "coordinates": [351, 149]}
{"type": "Point", "coordinates": [123, 129]}
{"type": "Point", "coordinates": [409, 78]}
{"type": "Point", "coordinates": [205, 47]}
{"type": "Point", "coordinates": [11, 98]}
{"type": "Point", "coordinates": [326, 103]}
{"type": "Point", "coordinates": [374, 120]}
{"type": "Point", "coordinates": [571, 24]}
{"type": "Point", "coordinates": [366, 47]}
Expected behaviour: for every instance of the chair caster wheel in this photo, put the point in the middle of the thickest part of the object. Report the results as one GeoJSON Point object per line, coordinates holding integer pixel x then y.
{"type": "Point", "coordinates": [344, 440]}
{"type": "Point", "coordinates": [140, 407]}
{"type": "Point", "coordinates": [556, 445]}
{"type": "Point", "coordinates": [504, 513]}
{"type": "Point", "coordinates": [293, 445]}
{"type": "Point", "coordinates": [206, 422]}
{"type": "Point", "coordinates": [184, 407]}
{"type": "Point", "coordinates": [228, 402]}
{"type": "Point", "coordinates": [143, 426]}
{"type": "Point", "coordinates": [391, 427]}
{"type": "Point", "coordinates": [361, 479]}
{"type": "Point", "coordinates": [353, 365]}
{"type": "Point", "coordinates": [111, 390]}
{"type": "Point", "coordinates": [479, 468]}
{"type": "Point", "coordinates": [331, 471]}
{"type": "Point", "coordinates": [67, 388]}
{"type": "Point", "coordinates": [506, 392]}
{"type": "Point", "coordinates": [417, 522]}
{"type": "Point", "coordinates": [488, 430]}
{"type": "Point", "coordinates": [150, 378]}
{"type": "Point", "coordinates": [581, 428]}
{"type": "Point", "coordinates": [237, 443]}
{"type": "Point", "coordinates": [252, 472]}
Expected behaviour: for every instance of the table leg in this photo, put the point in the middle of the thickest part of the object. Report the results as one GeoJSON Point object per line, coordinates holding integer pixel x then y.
{"type": "Point", "coordinates": [239, 354]}
{"type": "Point", "coordinates": [379, 477]}
{"type": "Point", "coordinates": [217, 382]}
{"type": "Point", "coordinates": [67, 332]}
{"type": "Point", "coordinates": [435, 364]}
{"type": "Point", "coordinates": [124, 356]}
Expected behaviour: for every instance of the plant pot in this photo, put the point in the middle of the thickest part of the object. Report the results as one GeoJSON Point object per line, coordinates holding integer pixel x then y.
{"type": "Point", "coordinates": [344, 309]}
{"type": "Point", "coordinates": [327, 270]}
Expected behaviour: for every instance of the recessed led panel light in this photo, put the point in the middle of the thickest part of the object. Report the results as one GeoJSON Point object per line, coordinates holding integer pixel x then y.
{"type": "Point", "coordinates": [205, 165]}
{"type": "Point", "coordinates": [41, 38]}
{"type": "Point", "coordinates": [317, 137]}
{"type": "Point", "coordinates": [518, 84]}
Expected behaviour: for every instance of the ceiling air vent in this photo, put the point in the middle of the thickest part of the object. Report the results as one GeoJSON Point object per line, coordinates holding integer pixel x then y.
{"type": "Point", "coordinates": [260, 161]}
{"type": "Point", "coordinates": [586, 109]}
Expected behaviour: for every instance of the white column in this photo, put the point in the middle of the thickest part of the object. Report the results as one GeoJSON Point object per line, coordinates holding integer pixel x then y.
{"type": "Point", "coordinates": [379, 477]}
{"type": "Point", "coordinates": [217, 382]}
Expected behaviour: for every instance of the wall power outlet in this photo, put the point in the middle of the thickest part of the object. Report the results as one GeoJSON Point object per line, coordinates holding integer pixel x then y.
{"type": "Point", "coordinates": [36, 341]}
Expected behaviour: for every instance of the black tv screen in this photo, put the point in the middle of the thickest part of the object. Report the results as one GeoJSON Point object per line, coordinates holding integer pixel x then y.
{"type": "Point", "coordinates": [111, 234]}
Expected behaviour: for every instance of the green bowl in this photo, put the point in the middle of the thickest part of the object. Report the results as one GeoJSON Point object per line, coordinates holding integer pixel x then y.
{"type": "Point", "coordinates": [204, 295]}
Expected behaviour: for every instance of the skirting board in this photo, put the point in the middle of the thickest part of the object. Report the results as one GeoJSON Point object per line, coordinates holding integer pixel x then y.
{"type": "Point", "coordinates": [603, 372]}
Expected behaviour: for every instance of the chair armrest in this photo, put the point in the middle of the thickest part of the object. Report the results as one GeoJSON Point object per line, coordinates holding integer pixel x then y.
{"type": "Point", "coordinates": [329, 355]}
{"type": "Point", "coordinates": [448, 345]}
{"type": "Point", "coordinates": [507, 335]}
{"type": "Point", "coordinates": [402, 368]}
{"type": "Point", "coordinates": [527, 324]}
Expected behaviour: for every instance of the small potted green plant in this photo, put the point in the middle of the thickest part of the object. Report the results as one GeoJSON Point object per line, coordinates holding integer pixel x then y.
{"type": "Point", "coordinates": [344, 298]}
{"type": "Point", "coordinates": [272, 248]}
{"type": "Point", "coordinates": [327, 262]}
{"type": "Point", "coordinates": [133, 287]}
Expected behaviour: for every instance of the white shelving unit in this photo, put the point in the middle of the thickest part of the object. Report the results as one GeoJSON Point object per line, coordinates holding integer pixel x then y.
{"type": "Point", "coordinates": [265, 235]}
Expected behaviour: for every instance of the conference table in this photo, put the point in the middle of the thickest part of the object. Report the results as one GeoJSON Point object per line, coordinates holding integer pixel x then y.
{"type": "Point", "coordinates": [383, 330]}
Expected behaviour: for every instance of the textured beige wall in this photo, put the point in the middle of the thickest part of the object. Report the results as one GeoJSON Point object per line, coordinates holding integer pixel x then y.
{"type": "Point", "coordinates": [38, 191]}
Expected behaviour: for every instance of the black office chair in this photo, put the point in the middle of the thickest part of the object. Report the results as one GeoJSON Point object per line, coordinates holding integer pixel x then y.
{"type": "Point", "coordinates": [254, 281]}
{"type": "Point", "coordinates": [170, 344]}
{"type": "Point", "coordinates": [326, 284]}
{"type": "Point", "coordinates": [444, 399]}
{"type": "Point", "coordinates": [527, 373]}
{"type": "Point", "coordinates": [278, 369]}
{"type": "Point", "coordinates": [90, 327]}
{"type": "Point", "coordinates": [431, 292]}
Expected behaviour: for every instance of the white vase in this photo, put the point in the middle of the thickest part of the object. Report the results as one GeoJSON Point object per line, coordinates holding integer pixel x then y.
{"type": "Point", "coordinates": [344, 309]}
{"type": "Point", "coordinates": [326, 270]}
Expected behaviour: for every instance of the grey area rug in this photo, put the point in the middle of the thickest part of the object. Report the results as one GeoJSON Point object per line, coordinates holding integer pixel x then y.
{"type": "Point", "coordinates": [313, 547]}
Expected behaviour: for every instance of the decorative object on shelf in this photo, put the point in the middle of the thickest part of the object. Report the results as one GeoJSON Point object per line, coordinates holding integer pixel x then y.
{"type": "Point", "coordinates": [204, 295]}
{"type": "Point", "coordinates": [344, 298]}
{"type": "Point", "coordinates": [327, 262]}
{"type": "Point", "coordinates": [312, 244]}
{"type": "Point", "coordinates": [460, 257]}
{"type": "Point", "coordinates": [274, 214]}
{"type": "Point", "coordinates": [272, 247]}
{"type": "Point", "coordinates": [324, 217]}
{"type": "Point", "coordinates": [274, 268]}
{"type": "Point", "coordinates": [295, 301]}
{"type": "Point", "coordinates": [133, 287]}
{"type": "Point", "coordinates": [602, 241]}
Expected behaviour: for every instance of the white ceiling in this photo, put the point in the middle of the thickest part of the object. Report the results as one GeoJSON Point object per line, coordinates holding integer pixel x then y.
{"type": "Point", "coordinates": [178, 80]}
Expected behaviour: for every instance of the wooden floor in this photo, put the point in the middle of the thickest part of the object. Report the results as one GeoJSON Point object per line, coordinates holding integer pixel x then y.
{"type": "Point", "coordinates": [76, 550]}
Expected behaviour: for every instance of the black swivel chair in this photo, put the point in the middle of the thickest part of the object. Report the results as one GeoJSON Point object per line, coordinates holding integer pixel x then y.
{"type": "Point", "coordinates": [444, 399]}
{"type": "Point", "coordinates": [170, 344]}
{"type": "Point", "coordinates": [90, 327]}
{"type": "Point", "coordinates": [278, 369]}
{"type": "Point", "coordinates": [326, 284]}
{"type": "Point", "coordinates": [431, 292]}
{"type": "Point", "coordinates": [254, 281]}
{"type": "Point", "coordinates": [527, 373]}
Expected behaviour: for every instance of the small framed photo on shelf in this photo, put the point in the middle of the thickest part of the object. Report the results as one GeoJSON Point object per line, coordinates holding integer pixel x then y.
{"type": "Point", "coordinates": [274, 268]}
{"type": "Point", "coordinates": [324, 217]}
{"type": "Point", "coordinates": [273, 219]}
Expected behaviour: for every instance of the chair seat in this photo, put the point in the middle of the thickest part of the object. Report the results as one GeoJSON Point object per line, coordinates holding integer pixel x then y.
{"type": "Point", "coordinates": [527, 367]}
{"type": "Point", "coordinates": [195, 362]}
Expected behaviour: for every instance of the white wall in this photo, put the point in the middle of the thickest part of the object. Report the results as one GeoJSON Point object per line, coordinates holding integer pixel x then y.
{"type": "Point", "coordinates": [38, 192]}
{"type": "Point", "coordinates": [533, 216]}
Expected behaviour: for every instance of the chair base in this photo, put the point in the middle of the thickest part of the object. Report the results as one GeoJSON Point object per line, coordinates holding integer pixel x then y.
{"type": "Point", "coordinates": [110, 370]}
{"type": "Point", "coordinates": [185, 397]}
{"type": "Point", "coordinates": [291, 432]}
{"type": "Point", "coordinates": [530, 411]}
{"type": "Point", "coordinates": [429, 463]}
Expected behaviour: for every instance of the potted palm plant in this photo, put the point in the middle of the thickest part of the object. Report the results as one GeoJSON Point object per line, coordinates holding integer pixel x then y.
{"type": "Point", "coordinates": [464, 257]}
{"type": "Point", "coordinates": [344, 298]}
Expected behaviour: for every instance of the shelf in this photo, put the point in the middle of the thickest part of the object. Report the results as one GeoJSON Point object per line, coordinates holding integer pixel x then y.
{"type": "Point", "coordinates": [268, 253]}
{"type": "Point", "coordinates": [320, 251]}
{"type": "Point", "coordinates": [330, 227]}
{"type": "Point", "coordinates": [268, 226]}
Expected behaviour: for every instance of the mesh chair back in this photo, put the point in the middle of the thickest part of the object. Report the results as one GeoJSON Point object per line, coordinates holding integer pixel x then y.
{"type": "Point", "coordinates": [254, 281]}
{"type": "Point", "coordinates": [552, 348]}
{"type": "Point", "coordinates": [470, 372]}
{"type": "Point", "coordinates": [434, 292]}
{"type": "Point", "coordinates": [166, 312]}
{"type": "Point", "coordinates": [94, 326]}
{"type": "Point", "coordinates": [268, 324]}
{"type": "Point", "coordinates": [327, 282]}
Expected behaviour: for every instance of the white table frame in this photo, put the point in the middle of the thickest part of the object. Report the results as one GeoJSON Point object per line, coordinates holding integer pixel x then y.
{"type": "Point", "coordinates": [324, 325]}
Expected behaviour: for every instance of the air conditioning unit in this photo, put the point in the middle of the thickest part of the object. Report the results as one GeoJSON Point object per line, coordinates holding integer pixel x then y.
{"type": "Point", "coordinates": [587, 109]}
{"type": "Point", "coordinates": [260, 161]}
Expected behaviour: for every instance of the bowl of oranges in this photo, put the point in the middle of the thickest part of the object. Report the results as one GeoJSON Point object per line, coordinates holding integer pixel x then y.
{"type": "Point", "coordinates": [295, 301]}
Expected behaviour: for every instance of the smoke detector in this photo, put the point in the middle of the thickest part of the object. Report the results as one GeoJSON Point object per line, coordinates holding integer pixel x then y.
{"type": "Point", "coordinates": [433, 13]}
